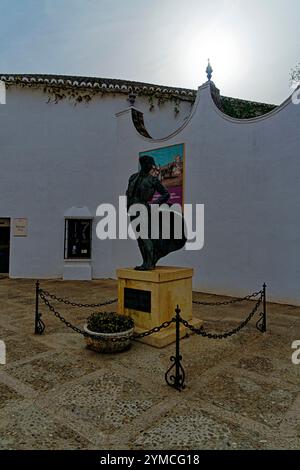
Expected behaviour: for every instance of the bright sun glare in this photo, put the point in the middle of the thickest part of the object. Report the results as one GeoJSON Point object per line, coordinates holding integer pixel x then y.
{"type": "Point", "coordinates": [222, 50]}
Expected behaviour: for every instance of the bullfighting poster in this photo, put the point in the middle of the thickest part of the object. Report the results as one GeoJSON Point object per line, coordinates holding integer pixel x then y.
{"type": "Point", "coordinates": [169, 170]}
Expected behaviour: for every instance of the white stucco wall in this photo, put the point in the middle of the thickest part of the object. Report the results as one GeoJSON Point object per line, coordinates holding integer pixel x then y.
{"type": "Point", "coordinates": [57, 156]}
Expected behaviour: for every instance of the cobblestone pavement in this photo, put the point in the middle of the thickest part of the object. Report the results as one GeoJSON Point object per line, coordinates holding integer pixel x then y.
{"type": "Point", "coordinates": [242, 392]}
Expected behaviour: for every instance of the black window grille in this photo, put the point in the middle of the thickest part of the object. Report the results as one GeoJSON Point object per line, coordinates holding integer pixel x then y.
{"type": "Point", "coordinates": [78, 238]}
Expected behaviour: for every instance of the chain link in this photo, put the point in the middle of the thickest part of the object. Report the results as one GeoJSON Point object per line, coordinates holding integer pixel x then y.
{"type": "Point", "coordinates": [59, 316]}
{"type": "Point", "coordinates": [200, 331]}
{"type": "Point", "coordinates": [228, 302]}
{"type": "Point", "coordinates": [74, 304]}
{"type": "Point", "coordinates": [156, 329]}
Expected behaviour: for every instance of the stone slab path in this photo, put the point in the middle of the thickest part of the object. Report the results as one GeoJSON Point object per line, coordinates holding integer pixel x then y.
{"type": "Point", "coordinates": [242, 392]}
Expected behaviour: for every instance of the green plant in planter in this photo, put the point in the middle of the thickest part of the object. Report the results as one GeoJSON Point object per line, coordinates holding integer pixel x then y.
{"type": "Point", "coordinates": [109, 322]}
{"type": "Point", "coordinates": [108, 332]}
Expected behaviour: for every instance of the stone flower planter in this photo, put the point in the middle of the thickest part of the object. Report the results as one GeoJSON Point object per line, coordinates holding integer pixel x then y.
{"type": "Point", "coordinates": [108, 342]}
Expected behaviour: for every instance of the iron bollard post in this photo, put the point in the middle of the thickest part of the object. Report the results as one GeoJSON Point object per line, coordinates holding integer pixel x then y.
{"type": "Point", "coordinates": [264, 322]}
{"type": "Point", "coordinates": [177, 380]}
{"type": "Point", "coordinates": [39, 325]}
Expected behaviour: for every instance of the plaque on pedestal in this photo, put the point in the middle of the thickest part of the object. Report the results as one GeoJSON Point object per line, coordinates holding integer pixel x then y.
{"type": "Point", "coordinates": [150, 298]}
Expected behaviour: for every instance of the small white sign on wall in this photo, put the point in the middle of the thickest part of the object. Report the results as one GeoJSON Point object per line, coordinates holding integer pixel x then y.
{"type": "Point", "coordinates": [20, 227]}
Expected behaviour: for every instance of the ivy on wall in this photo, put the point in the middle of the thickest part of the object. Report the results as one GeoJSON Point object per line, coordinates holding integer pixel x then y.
{"type": "Point", "coordinates": [79, 90]}
{"type": "Point", "coordinates": [295, 75]}
{"type": "Point", "coordinates": [158, 101]}
{"type": "Point", "coordinates": [81, 95]}
{"type": "Point", "coordinates": [242, 109]}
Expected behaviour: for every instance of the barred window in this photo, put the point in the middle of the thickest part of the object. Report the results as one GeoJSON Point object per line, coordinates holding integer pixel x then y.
{"type": "Point", "coordinates": [78, 238]}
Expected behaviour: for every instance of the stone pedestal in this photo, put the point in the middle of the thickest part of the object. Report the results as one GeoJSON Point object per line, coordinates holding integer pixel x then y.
{"type": "Point", "coordinates": [150, 298]}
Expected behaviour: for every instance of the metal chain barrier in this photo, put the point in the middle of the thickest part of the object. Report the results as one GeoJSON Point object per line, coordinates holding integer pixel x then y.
{"type": "Point", "coordinates": [59, 316]}
{"type": "Point", "coordinates": [156, 329]}
{"type": "Point", "coordinates": [84, 333]}
{"type": "Point", "coordinates": [175, 375]}
{"type": "Point", "coordinates": [200, 331]}
{"type": "Point", "coordinates": [74, 304]}
{"type": "Point", "coordinates": [228, 302]}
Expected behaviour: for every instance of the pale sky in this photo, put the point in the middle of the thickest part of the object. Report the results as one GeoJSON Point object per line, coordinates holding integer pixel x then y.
{"type": "Point", "coordinates": [252, 44]}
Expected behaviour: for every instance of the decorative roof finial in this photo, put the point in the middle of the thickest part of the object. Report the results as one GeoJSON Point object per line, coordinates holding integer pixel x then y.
{"type": "Point", "coordinates": [209, 71]}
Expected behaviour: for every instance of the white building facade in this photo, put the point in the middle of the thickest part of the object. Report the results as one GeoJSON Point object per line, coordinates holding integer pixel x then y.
{"type": "Point", "coordinates": [69, 144]}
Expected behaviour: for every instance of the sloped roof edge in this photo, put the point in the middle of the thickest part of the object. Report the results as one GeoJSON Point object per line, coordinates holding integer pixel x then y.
{"type": "Point", "coordinates": [234, 107]}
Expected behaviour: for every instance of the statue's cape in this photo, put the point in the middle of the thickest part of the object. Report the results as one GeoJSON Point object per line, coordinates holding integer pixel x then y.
{"type": "Point", "coordinates": [162, 247]}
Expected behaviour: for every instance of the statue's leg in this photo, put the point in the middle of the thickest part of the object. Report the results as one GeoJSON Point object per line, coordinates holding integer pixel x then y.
{"type": "Point", "coordinates": [147, 251]}
{"type": "Point", "coordinates": [149, 254]}
{"type": "Point", "coordinates": [146, 247]}
{"type": "Point", "coordinates": [142, 248]}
